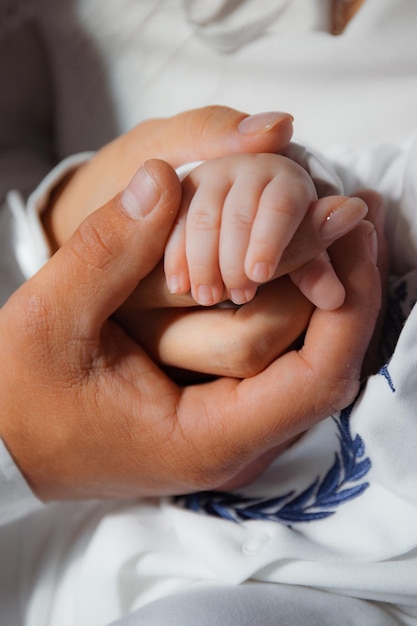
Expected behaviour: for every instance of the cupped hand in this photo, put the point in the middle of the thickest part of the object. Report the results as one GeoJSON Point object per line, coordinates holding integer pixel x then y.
{"type": "Point", "coordinates": [86, 413]}
{"type": "Point", "coordinates": [373, 360]}
{"type": "Point", "coordinates": [192, 342]}
{"type": "Point", "coordinates": [240, 341]}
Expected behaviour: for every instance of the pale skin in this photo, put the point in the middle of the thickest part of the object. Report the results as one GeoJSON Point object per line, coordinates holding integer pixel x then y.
{"type": "Point", "coordinates": [198, 134]}
{"type": "Point", "coordinates": [94, 417]}
{"type": "Point", "coordinates": [237, 216]}
{"type": "Point", "coordinates": [201, 134]}
{"type": "Point", "coordinates": [237, 212]}
{"type": "Point", "coordinates": [223, 341]}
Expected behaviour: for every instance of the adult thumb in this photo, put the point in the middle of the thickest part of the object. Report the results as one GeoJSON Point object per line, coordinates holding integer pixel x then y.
{"type": "Point", "coordinates": [113, 249]}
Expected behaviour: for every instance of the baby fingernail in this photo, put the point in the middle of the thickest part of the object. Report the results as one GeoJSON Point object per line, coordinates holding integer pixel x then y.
{"type": "Point", "coordinates": [141, 195]}
{"type": "Point", "coordinates": [261, 272]}
{"type": "Point", "coordinates": [242, 296]}
{"type": "Point", "coordinates": [342, 219]}
{"type": "Point", "coordinates": [262, 122]}
{"type": "Point", "coordinates": [174, 284]}
{"type": "Point", "coordinates": [204, 295]}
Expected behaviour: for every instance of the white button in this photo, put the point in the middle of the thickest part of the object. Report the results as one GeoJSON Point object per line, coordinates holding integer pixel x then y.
{"type": "Point", "coordinates": [255, 543]}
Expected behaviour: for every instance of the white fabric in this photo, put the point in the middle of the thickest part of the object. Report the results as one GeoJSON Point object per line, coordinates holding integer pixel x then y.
{"type": "Point", "coordinates": [90, 563]}
{"type": "Point", "coordinates": [261, 605]}
{"type": "Point", "coordinates": [159, 59]}
{"type": "Point", "coordinates": [31, 245]}
{"type": "Point", "coordinates": [358, 540]}
{"type": "Point", "coordinates": [16, 497]}
{"type": "Point", "coordinates": [26, 238]}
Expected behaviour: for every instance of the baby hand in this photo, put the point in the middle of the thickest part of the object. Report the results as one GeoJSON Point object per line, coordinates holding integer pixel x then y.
{"type": "Point", "coordinates": [238, 215]}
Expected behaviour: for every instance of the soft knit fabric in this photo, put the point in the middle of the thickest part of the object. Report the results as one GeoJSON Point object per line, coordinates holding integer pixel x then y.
{"type": "Point", "coordinates": [338, 511]}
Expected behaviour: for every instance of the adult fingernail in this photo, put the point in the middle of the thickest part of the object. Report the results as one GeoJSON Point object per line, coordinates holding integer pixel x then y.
{"type": "Point", "coordinates": [342, 219]}
{"type": "Point", "coordinates": [141, 195]}
{"type": "Point", "coordinates": [262, 122]}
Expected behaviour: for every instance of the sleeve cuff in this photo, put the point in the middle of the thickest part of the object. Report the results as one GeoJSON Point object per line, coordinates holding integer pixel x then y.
{"type": "Point", "coordinates": [30, 242]}
{"type": "Point", "coordinates": [323, 174]}
{"type": "Point", "coordinates": [16, 498]}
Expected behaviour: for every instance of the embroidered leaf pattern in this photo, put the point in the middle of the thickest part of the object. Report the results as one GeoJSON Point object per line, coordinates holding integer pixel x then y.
{"type": "Point", "coordinates": [300, 501]}
{"type": "Point", "coordinates": [340, 484]}
{"type": "Point", "coordinates": [344, 480]}
{"type": "Point", "coordinates": [360, 470]}
{"type": "Point", "coordinates": [330, 481]}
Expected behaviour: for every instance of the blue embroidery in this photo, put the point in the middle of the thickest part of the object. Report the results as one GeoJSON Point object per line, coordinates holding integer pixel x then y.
{"type": "Point", "coordinates": [341, 483]}
{"type": "Point", "coordinates": [385, 373]}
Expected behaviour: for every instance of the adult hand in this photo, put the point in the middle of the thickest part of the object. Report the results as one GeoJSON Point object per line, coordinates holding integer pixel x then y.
{"type": "Point", "coordinates": [202, 134]}
{"type": "Point", "coordinates": [198, 134]}
{"type": "Point", "coordinates": [238, 342]}
{"type": "Point", "coordinates": [190, 343]}
{"type": "Point", "coordinates": [86, 413]}
{"type": "Point", "coordinates": [373, 359]}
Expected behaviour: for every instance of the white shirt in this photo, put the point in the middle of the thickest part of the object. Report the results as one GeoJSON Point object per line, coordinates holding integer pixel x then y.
{"type": "Point", "coordinates": [160, 58]}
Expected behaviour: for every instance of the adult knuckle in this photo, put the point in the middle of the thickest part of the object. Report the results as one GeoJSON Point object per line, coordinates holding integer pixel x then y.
{"type": "Point", "coordinates": [198, 126]}
{"type": "Point", "coordinates": [255, 355]}
{"type": "Point", "coordinates": [212, 473]}
{"type": "Point", "coordinates": [39, 329]}
{"type": "Point", "coordinates": [338, 394]}
{"type": "Point", "coordinates": [204, 460]}
{"type": "Point", "coordinates": [343, 392]}
{"type": "Point", "coordinates": [207, 115]}
{"type": "Point", "coordinates": [197, 122]}
{"type": "Point", "coordinates": [37, 317]}
{"type": "Point", "coordinates": [244, 356]}
{"type": "Point", "coordinates": [94, 245]}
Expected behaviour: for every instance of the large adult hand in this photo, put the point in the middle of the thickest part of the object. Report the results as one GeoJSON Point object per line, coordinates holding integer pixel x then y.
{"type": "Point", "coordinates": [237, 342]}
{"type": "Point", "coordinates": [193, 135]}
{"type": "Point", "coordinates": [200, 134]}
{"type": "Point", "coordinates": [86, 413]}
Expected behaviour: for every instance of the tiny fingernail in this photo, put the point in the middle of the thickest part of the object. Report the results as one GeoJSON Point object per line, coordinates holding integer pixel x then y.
{"type": "Point", "coordinates": [261, 272]}
{"type": "Point", "coordinates": [242, 296]}
{"type": "Point", "coordinates": [238, 296]}
{"type": "Point", "coordinates": [262, 122]}
{"type": "Point", "coordinates": [373, 246]}
{"type": "Point", "coordinates": [342, 219]}
{"type": "Point", "coordinates": [204, 295]}
{"type": "Point", "coordinates": [141, 195]}
{"type": "Point", "coordinates": [174, 284]}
